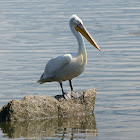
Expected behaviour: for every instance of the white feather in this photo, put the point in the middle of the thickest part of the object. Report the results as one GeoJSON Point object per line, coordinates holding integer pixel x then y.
{"type": "Point", "coordinates": [57, 63]}
{"type": "Point", "coordinates": [66, 67]}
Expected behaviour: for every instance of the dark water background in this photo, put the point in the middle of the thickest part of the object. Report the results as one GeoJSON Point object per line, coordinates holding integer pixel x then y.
{"type": "Point", "coordinates": [32, 32]}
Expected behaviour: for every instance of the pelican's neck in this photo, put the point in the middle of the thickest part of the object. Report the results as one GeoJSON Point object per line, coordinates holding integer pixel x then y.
{"type": "Point", "coordinates": [81, 44]}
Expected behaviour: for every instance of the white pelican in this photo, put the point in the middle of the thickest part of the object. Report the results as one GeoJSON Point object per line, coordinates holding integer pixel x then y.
{"type": "Point", "coordinates": [67, 67]}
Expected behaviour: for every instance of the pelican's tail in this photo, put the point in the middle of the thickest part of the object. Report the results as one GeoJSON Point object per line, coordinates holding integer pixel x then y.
{"type": "Point", "coordinates": [42, 79]}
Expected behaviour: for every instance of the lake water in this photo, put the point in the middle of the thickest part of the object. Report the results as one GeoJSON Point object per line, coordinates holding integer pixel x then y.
{"type": "Point", "coordinates": [32, 32]}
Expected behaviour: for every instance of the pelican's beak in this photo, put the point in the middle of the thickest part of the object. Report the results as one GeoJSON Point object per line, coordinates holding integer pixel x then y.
{"type": "Point", "coordinates": [80, 28]}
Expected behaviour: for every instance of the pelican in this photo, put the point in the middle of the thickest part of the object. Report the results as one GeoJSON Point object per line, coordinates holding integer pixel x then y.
{"type": "Point", "coordinates": [67, 67]}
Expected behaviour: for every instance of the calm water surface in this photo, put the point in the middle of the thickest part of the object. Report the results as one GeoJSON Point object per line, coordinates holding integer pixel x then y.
{"type": "Point", "coordinates": [32, 32]}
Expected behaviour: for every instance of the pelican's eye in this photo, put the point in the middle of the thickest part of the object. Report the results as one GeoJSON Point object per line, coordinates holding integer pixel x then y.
{"type": "Point", "coordinates": [76, 22]}
{"type": "Point", "coordinates": [79, 24]}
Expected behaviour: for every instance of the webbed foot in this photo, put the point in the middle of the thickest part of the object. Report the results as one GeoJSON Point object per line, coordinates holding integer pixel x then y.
{"type": "Point", "coordinates": [76, 94]}
{"type": "Point", "coordinates": [67, 95]}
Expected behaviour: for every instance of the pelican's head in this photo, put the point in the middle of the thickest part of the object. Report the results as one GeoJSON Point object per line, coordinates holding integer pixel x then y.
{"type": "Point", "coordinates": [79, 27]}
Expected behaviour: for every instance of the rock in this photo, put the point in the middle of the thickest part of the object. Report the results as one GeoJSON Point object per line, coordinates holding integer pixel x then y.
{"type": "Point", "coordinates": [34, 107]}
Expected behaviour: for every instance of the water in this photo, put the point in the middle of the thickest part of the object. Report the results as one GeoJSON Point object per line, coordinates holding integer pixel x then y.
{"type": "Point", "coordinates": [32, 32]}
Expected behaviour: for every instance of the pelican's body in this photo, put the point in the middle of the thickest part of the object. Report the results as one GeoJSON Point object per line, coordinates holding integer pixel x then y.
{"type": "Point", "coordinates": [64, 68]}
{"type": "Point", "coordinates": [67, 67]}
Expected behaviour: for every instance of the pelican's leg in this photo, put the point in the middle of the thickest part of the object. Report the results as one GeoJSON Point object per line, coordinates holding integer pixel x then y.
{"type": "Point", "coordinates": [74, 93]}
{"type": "Point", "coordinates": [70, 82]}
{"type": "Point", "coordinates": [61, 85]}
{"type": "Point", "coordinates": [66, 96]}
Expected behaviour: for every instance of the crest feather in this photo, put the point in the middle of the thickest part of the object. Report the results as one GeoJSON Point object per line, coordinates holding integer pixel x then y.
{"type": "Point", "coordinates": [76, 18]}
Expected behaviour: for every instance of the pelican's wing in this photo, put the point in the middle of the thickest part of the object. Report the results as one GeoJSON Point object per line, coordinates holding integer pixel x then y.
{"type": "Point", "coordinates": [57, 63]}
{"type": "Point", "coordinates": [54, 65]}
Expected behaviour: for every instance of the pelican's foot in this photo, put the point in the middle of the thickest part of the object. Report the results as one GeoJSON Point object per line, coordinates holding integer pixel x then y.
{"type": "Point", "coordinates": [76, 94]}
{"type": "Point", "coordinates": [67, 95]}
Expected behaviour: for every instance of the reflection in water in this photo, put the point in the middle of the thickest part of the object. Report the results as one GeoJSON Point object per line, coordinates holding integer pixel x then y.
{"type": "Point", "coordinates": [81, 127]}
